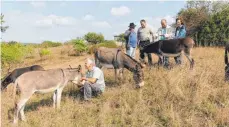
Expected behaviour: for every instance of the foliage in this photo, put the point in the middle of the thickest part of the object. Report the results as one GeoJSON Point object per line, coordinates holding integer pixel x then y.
{"type": "Point", "coordinates": [79, 45]}
{"type": "Point", "coordinates": [3, 28]}
{"type": "Point", "coordinates": [110, 44]}
{"type": "Point", "coordinates": [44, 52]}
{"type": "Point", "coordinates": [47, 44]}
{"type": "Point", "coordinates": [12, 53]}
{"type": "Point", "coordinates": [207, 22]}
{"type": "Point", "coordinates": [121, 37]}
{"type": "Point", "coordinates": [94, 38]}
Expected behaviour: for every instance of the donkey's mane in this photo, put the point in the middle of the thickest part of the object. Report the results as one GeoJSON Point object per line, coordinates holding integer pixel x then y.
{"type": "Point", "coordinates": [133, 59]}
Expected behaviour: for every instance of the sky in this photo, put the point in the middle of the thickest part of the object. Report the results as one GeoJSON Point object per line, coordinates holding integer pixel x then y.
{"type": "Point", "coordinates": [37, 21]}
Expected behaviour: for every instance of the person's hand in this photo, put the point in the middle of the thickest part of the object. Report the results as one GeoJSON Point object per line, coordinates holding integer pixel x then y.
{"type": "Point", "coordinates": [83, 79]}
{"type": "Point", "coordinates": [128, 47]}
{"type": "Point", "coordinates": [166, 35]}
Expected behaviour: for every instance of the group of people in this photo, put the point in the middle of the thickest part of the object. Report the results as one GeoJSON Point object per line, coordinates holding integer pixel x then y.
{"type": "Point", "coordinates": [145, 36]}
{"type": "Point", "coordinates": [93, 82]}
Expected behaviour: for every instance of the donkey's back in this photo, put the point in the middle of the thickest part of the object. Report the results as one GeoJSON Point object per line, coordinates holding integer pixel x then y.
{"type": "Point", "coordinates": [108, 57]}
{"type": "Point", "coordinates": [41, 80]}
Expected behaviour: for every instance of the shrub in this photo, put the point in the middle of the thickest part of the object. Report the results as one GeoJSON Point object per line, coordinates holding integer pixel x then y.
{"type": "Point", "coordinates": [94, 38]}
{"type": "Point", "coordinates": [108, 44]}
{"type": "Point", "coordinates": [47, 44]}
{"type": "Point", "coordinates": [79, 46]}
{"type": "Point", "coordinates": [13, 52]}
{"type": "Point", "coordinates": [44, 52]}
{"type": "Point", "coordinates": [29, 51]}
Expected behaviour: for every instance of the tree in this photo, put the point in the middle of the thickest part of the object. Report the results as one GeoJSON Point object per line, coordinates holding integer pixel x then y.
{"type": "Point", "coordinates": [3, 28]}
{"type": "Point", "coordinates": [207, 22]}
{"type": "Point", "coordinates": [94, 38]}
{"type": "Point", "coordinates": [121, 37]}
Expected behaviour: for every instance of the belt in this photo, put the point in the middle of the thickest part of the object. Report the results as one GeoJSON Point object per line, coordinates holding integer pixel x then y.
{"type": "Point", "coordinates": [144, 40]}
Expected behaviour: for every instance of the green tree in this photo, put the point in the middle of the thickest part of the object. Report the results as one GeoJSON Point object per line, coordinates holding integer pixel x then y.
{"type": "Point", "coordinates": [121, 37]}
{"type": "Point", "coordinates": [3, 28]}
{"type": "Point", "coordinates": [94, 38]}
{"type": "Point", "coordinates": [207, 22]}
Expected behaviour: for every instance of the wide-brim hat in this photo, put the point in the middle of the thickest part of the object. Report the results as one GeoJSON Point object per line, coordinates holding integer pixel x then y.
{"type": "Point", "coordinates": [132, 25]}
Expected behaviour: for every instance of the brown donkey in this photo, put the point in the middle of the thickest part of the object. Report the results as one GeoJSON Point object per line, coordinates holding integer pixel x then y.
{"type": "Point", "coordinates": [116, 59]}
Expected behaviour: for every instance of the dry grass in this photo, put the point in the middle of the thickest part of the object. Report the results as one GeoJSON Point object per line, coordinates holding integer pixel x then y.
{"type": "Point", "coordinates": [175, 98]}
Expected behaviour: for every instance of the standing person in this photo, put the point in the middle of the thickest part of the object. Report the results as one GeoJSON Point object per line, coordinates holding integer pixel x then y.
{"type": "Point", "coordinates": [131, 37]}
{"type": "Point", "coordinates": [94, 83]}
{"type": "Point", "coordinates": [143, 35]}
{"type": "Point", "coordinates": [164, 33]}
{"type": "Point", "coordinates": [179, 33]}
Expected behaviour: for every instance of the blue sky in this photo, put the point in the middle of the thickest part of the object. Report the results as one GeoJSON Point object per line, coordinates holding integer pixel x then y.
{"type": "Point", "coordinates": [34, 22]}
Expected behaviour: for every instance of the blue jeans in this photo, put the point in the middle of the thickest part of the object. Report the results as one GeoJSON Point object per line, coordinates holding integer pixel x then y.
{"type": "Point", "coordinates": [131, 52]}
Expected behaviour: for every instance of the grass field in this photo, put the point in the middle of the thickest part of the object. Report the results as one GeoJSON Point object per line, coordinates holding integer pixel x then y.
{"type": "Point", "coordinates": [175, 98]}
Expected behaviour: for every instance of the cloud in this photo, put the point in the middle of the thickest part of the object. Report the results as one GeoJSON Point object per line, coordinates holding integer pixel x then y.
{"type": "Point", "coordinates": [38, 4]}
{"type": "Point", "coordinates": [35, 27]}
{"type": "Point", "coordinates": [101, 24]}
{"type": "Point", "coordinates": [120, 11]}
{"type": "Point", "coordinates": [88, 17]}
{"type": "Point", "coordinates": [55, 20]}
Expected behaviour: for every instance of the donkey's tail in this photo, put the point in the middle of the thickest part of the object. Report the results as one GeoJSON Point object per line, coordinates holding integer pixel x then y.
{"type": "Point", "coordinates": [226, 52]}
{"type": "Point", "coordinates": [96, 55]}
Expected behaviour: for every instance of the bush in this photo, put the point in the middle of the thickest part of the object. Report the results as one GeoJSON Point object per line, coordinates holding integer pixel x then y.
{"type": "Point", "coordinates": [79, 46]}
{"type": "Point", "coordinates": [108, 44]}
{"type": "Point", "coordinates": [94, 38]}
{"type": "Point", "coordinates": [44, 52]}
{"type": "Point", "coordinates": [47, 44]}
{"type": "Point", "coordinates": [13, 52]}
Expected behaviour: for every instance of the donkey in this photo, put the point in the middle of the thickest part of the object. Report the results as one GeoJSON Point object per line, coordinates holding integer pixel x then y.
{"type": "Point", "coordinates": [43, 82]}
{"type": "Point", "coordinates": [12, 76]}
{"type": "Point", "coordinates": [114, 58]}
{"type": "Point", "coordinates": [226, 62]}
{"type": "Point", "coordinates": [172, 48]}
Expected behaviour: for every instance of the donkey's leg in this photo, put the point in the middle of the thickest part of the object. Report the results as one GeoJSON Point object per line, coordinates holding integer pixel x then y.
{"type": "Point", "coordinates": [187, 52]}
{"type": "Point", "coordinates": [115, 74]}
{"type": "Point", "coordinates": [54, 98]}
{"type": "Point", "coordinates": [22, 113]}
{"type": "Point", "coordinates": [121, 73]}
{"type": "Point", "coordinates": [190, 60]}
{"type": "Point", "coordinates": [19, 106]}
{"type": "Point", "coordinates": [59, 92]}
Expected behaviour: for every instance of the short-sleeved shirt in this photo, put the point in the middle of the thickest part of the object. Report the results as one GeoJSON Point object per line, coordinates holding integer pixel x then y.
{"type": "Point", "coordinates": [144, 34]}
{"type": "Point", "coordinates": [98, 74]}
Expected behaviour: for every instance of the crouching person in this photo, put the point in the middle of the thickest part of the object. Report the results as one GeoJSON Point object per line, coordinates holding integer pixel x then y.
{"type": "Point", "coordinates": [93, 83]}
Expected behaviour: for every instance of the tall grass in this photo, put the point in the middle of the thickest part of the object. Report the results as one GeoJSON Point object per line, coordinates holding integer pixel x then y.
{"type": "Point", "coordinates": [175, 98]}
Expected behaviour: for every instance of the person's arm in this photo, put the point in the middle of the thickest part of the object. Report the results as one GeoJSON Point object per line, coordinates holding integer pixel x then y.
{"type": "Point", "coordinates": [138, 37]}
{"type": "Point", "coordinates": [169, 33]}
{"type": "Point", "coordinates": [151, 32]}
{"type": "Point", "coordinates": [127, 33]}
{"type": "Point", "coordinates": [91, 80]}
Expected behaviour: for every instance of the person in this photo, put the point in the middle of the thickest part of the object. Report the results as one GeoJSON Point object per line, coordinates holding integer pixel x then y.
{"type": "Point", "coordinates": [93, 83]}
{"type": "Point", "coordinates": [131, 40]}
{"type": "Point", "coordinates": [164, 33]}
{"type": "Point", "coordinates": [180, 32]}
{"type": "Point", "coordinates": [143, 36]}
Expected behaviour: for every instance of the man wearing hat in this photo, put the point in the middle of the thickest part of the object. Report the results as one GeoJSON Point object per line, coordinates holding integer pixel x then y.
{"type": "Point", "coordinates": [131, 40]}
